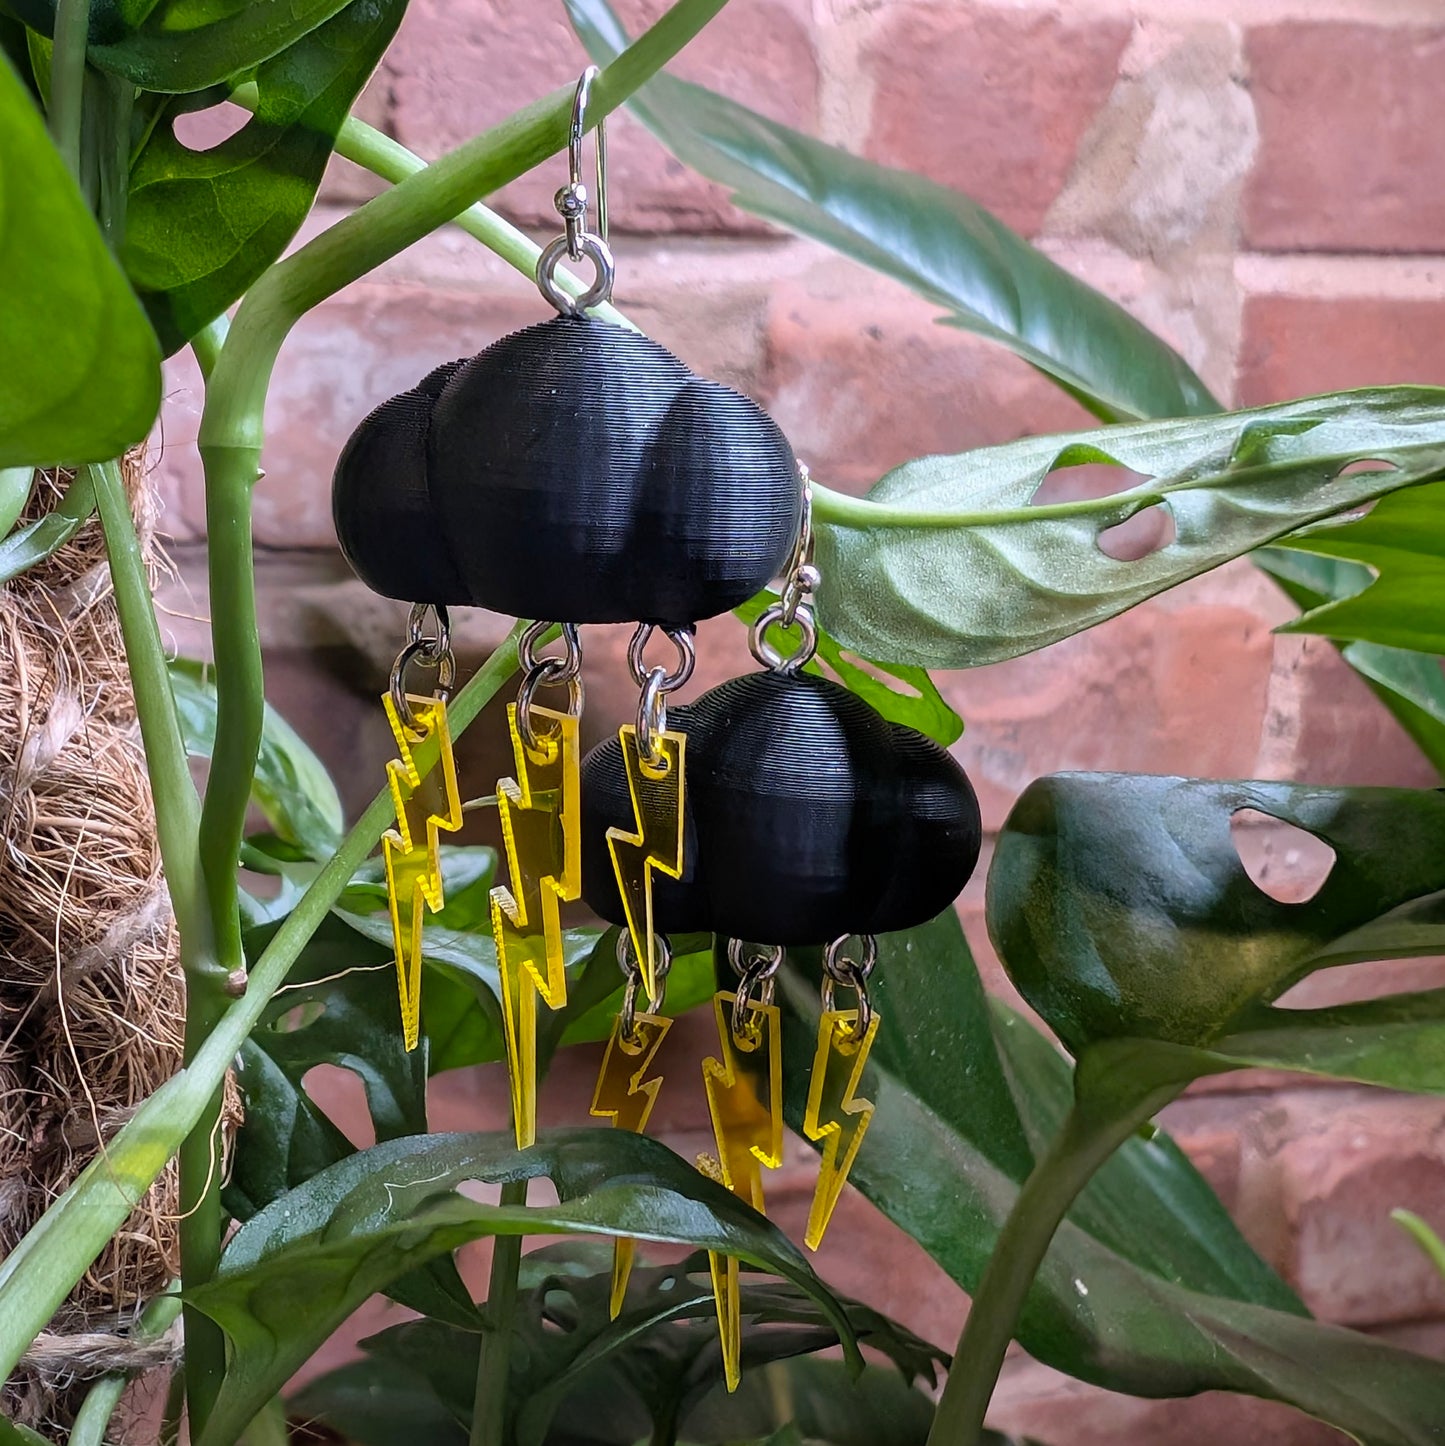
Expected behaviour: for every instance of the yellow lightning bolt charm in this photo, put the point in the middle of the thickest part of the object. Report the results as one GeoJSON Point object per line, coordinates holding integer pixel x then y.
{"type": "Point", "coordinates": [745, 1100]}
{"type": "Point", "coordinates": [835, 1115]}
{"type": "Point", "coordinates": [657, 790]}
{"type": "Point", "coordinates": [539, 811]}
{"type": "Point", "coordinates": [423, 785]}
{"type": "Point", "coordinates": [626, 1095]}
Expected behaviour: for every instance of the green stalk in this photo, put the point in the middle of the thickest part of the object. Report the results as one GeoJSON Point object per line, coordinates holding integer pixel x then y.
{"type": "Point", "coordinates": [103, 1397]}
{"type": "Point", "coordinates": [38, 1274]}
{"type": "Point", "coordinates": [177, 825]}
{"type": "Point", "coordinates": [67, 79]}
{"type": "Point", "coordinates": [1088, 1137]}
{"type": "Point", "coordinates": [489, 1409]}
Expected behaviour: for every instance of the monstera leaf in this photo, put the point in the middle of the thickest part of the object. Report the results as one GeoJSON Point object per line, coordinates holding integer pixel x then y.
{"type": "Point", "coordinates": [296, 1270]}
{"type": "Point", "coordinates": [1148, 1286]}
{"type": "Point", "coordinates": [578, 1375]}
{"type": "Point", "coordinates": [949, 562]}
{"type": "Point", "coordinates": [203, 225]}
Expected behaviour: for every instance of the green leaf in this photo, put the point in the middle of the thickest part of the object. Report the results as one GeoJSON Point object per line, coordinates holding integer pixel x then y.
{"type": "Point", "coordinates": [186, 45]}
{"type": "Point", "coordinates": [917, 704]}
{"type": "Point", "coordinates": [1121, 908]}
{"type": "Point", "coordinates": [203, 225]}
{"type": "Point", "coordinates": [1423, 1236]}
{"type": "Point", "coordinates": [950, 563]}
{"type": "Point", "coordinates": [15, 485]}
{"type": "Point", "coordinates": [36, 541]}
{"type": "Point", "coordinates": [1411, 685]}
{"type": "Point", "coordinates": [1148, 1288]}
{"type": "Point", "coordinates": [292, 787]}
{"type": "Point", "coordinates": [294, 1272]}
{"type": "Point", "coordinates": [1402, 541]}
{"type": "Point", "coordinates": [934, 240]}
{"type": "Point", "coordinates": [82, 378]}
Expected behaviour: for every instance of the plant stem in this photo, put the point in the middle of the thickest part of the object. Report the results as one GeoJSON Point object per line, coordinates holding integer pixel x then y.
{"type": "Point", "coordinates": [177, 826]}
{"type": "Point", "coordinates": [1086, 1140]}
{"type": "Point", "coordinates": [102, 1398]}
{"type": "Point", "coordinates": [41, 1270]}
{"type": "Point", "coordinates": [489, 1408]}
{"type": "Point", "coordinates": [67, 79]}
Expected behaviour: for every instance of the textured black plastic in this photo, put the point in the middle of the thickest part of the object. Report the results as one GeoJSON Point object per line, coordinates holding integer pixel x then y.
{"type": "Point", "coordinates": [808, 817]}
{"type": "Point", "coordinates": [381, 505]}
{"type": "Point", "coordinates": [573, 470]}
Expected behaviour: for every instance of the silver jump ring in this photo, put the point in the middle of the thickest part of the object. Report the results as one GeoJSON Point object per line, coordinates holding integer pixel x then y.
{"type": "Point", "coordinates": [681, 638]}
{"type": "Point", "coordinates": [768, 655]}
{"type": "Point", "coordinates": [427, 653]}
{"type": "Point", "coordinates": [416, 621]}
{"type": "Point", "coordinates": [755, 974]}
{"type": "Point", "coordinates": [632, 973]}
{"type": "Point", "coordinates": [594, 249]}
{"type": "Point", "coordinates": [842, 969]}
{"type": "Point", "coordinates": [570, 662]}
{"type": "Point", "coordinates": [652, 718]}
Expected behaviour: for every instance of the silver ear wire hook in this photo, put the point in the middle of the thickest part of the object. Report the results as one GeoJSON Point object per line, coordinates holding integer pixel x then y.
{"type": "Point", "coordinates": [577, 242]}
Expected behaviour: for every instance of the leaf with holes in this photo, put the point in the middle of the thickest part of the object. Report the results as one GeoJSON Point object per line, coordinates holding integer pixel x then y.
{"type": "Point", "coordinates": [915, 703]}
{"type": "Point", "coordinates": [294, 1272]}
{"type": "Point", "coordinates": [203, 225]}
{"type": "Point", "coordinates": [950, 563]}
{"type": "Point", "coordinates": [187, 45]}
{"type": "Point", "coordinates": [1402, 542]}
{"type": "Point", "coordinates": [82, 376]}
{"type": "Point", "coordinates": [1411, 685]}
{"type": "Point", "coordinates": [1123, 912]}
{"type": "Point", "coordinates": [934, 240]}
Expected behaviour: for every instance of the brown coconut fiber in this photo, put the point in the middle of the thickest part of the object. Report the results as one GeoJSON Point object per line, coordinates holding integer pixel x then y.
{"type": "Point", "coordinates": [91, 993]}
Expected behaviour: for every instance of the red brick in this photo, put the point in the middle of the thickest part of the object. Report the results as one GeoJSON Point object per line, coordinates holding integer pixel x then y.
{"type": "Point", "coordinates": [1297, 346]}
{"type": "Point", "coordinates": [1349, 1161]}
{"type": "Point", "coordinates": [458, 68]}
{"type": "Point", "coordinates": [992, 101]}
{"type": "Point", "coordinates": [862, 377]}
{"type": "Point", "coordinates": [1350, 117]}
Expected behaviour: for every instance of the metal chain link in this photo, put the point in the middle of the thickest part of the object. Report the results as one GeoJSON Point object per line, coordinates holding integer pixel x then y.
{"type": "Point", "coordinates": [840, 968]}
{"type": "Point", "coordinates": [427, 650]}
{"type": "Point", "coordinates": [547, 671]}
{"type": "Point", "coordinates": [755, 974]}
{"type": "Point", "coordinates": [632, 974]}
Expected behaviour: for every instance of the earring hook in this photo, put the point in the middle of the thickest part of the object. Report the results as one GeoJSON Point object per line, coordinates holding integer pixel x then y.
{"type": "Point", "coordinates": [578, 243]}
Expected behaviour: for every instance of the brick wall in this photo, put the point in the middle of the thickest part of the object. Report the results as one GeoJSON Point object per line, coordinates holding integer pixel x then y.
{"type": "Point", "coordinates": [1260, 180]}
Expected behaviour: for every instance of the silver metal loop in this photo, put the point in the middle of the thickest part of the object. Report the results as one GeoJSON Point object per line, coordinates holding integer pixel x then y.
{"type": "Point", "coordinates": [550, 672]}
{"type": "Point", "coordinates": [802, 577]}
{"type": "Point", "coordinates": [426, 653]}
{"type": "Point", "coordinates": [439, 642]}
{"type": "Point", "coordinates": [570, 662]}
{"type": "Point", "coordinates": [652, 719]}
{"type": "Point", "coordinates": [767, 654]}
{"type": "Point", "coordinates": [681, 638]}
{"type": "Point", "coordinates": [756, 983]}
{"type": "Point", "coordinates": [632, 973]}
{"type": "Point", "coordinates": [589, 247]}
{"type": "Point", "coordinates": [840, 968]}
{"type": "Point", "coordinates": [578, 129]}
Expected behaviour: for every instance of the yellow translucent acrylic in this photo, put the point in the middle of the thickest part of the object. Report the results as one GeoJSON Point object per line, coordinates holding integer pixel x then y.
{"type": "Point", "coordinates": [835, 1114]}
{"type": "Point", "coordinates": [745, 1100]}
{"type": "Point", "coordinates": [658, 794]}
{"type": "Point", "coordinates": [423, 782]}
{"type": "Point", "coordinates": [541, 840]}
{"type": "Point", "coordinates": [626, 1092]}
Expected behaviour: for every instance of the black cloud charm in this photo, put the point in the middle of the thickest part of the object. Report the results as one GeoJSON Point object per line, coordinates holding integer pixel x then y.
{"type": "Point", "coordinates": [808, 816]}
{"type": "Point", "coordinates": [574, 470]}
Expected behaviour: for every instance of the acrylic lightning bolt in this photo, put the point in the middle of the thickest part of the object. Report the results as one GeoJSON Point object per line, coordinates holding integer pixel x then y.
{"type": "Point", "coordinates": [626, 1092]}
{"type": "Point", "coordinates": [835, 1114]}
{"type": "Point", "coordinates": [423, 783]}
{"type": "Point", "coordinates": [658, 794]}
{"type": "Point", "coordinates": [539, 811]}
{"type": "Point", "coordinates": [745, 1099]}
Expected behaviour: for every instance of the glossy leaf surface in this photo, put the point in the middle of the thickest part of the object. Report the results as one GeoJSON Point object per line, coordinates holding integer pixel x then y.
{"type": "Point", "coordinates": [203, 225]}
{"type": "Point", "coordinates": [934, 240]}
{"type": "Point", "coordinates": [296, 1270]}
{"type": "Point", "coordinates": [187, 45]}
{"type": "Point", "coordinates": [82, 379]}
{"type": "Point", "coordinates": [949, 562]}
